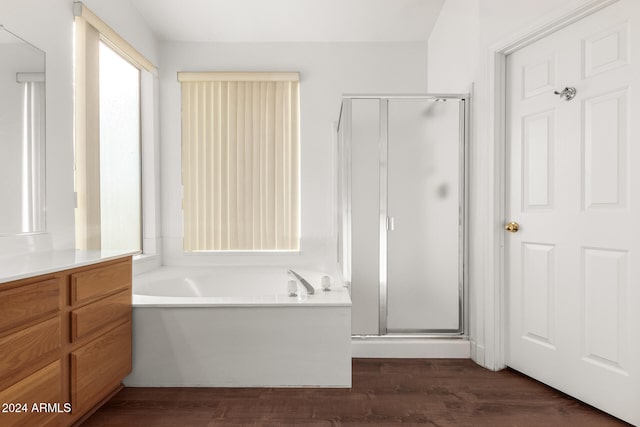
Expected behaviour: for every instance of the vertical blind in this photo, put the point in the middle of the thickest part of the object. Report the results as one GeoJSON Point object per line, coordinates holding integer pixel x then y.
{"type": "Point", "coordinates": [240, 161]}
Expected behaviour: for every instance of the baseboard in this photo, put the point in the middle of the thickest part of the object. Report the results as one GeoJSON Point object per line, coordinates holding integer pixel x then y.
{"type": "Point", "coordinates": [477, 353]}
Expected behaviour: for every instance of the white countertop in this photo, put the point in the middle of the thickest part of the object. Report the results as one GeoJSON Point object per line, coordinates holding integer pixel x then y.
{"type": "Point", "coordinates": [16, 267]}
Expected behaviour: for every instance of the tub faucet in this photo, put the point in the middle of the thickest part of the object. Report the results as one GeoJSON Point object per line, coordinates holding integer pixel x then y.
{"type": "Point", "coordinates": [307, 285]}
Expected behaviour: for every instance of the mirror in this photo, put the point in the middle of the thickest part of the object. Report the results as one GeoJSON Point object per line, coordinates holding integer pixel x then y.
{"type": "Point", "coordinates": [22, 136]}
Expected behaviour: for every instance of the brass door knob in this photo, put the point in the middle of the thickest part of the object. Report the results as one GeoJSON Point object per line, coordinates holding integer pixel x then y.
{"type": "Point", "coordinates": [512, 227]}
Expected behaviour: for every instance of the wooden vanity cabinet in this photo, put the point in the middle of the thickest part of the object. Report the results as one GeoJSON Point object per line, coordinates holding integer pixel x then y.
{"type": "Point", "coordinates": [99, 310]}
{"type": "Point", "coordinates": [30, 349]}
{"type": "Point", "coordinates": [65, 338]}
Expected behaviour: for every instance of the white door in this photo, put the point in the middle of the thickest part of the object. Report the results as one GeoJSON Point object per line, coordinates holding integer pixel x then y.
{"type": "Point", "coordinates": [573, 185]}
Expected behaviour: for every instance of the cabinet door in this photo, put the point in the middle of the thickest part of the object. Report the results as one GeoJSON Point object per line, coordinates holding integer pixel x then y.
{"type": "Point", "coordinates": [24, 304]}
{"type": "Point", "coordinates": [99, 366]}
{"type": "Point", "coordinates": [24, 352]}
{"type": "Point", "coordinates": [92, 284]}
{"type": "Point", "coordinates": [94, 317]}
{"type": "Point", "coordinates": [40, 388]}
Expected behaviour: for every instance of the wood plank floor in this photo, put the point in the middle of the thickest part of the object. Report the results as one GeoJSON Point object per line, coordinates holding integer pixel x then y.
{"type": "Point", "coordinates": [433, 392]}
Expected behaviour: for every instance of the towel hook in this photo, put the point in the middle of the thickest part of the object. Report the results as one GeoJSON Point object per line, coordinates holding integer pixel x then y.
{"type": "Point", "coordinates": [568, 93]}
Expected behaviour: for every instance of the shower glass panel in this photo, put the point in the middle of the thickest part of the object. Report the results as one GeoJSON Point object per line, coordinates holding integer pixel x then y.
{"type": "Point", "coordinates": [365, 236]}
{"type": "Point", "coordinates": [401, 213]}
{"type": "Point", "coordinates": [423, 199]}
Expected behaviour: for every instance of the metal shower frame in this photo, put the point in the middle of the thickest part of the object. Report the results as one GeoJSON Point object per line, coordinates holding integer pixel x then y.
{"type": "Point", "coordinates": [465, 110]}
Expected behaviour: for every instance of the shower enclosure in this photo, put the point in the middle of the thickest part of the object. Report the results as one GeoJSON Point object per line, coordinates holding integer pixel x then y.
{"type": "Point", "coordinates": [402, 213]}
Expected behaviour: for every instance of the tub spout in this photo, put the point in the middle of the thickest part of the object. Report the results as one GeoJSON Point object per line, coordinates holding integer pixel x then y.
{"type": "Point", "coordinates": [307, 285]}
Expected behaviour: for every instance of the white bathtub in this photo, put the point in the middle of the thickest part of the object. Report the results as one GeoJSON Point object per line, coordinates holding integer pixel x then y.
{"type": "Point", "coordinates": [237, 327]}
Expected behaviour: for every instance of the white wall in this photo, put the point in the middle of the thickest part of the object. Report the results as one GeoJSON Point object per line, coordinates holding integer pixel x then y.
{"type": "Point", "coordinates": [459, 56]}
{"type": "Point", "coordinates": [49, 26]}
{"type": "Point", "coordinates": [327, 71]}
{"type": "Point", "coordinates": [453, 47]}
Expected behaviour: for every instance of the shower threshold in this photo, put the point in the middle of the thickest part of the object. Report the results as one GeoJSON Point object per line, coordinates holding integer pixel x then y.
{"type": "Point", "coordinates": [420, 346]}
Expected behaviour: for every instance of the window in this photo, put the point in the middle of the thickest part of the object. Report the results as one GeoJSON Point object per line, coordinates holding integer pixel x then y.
{"type": "Point", "coordinates": [240, 161]}
{"type": "Point", "coordinates": [120, 175]}
{"type": "Point", "coordinates": [108, 140]}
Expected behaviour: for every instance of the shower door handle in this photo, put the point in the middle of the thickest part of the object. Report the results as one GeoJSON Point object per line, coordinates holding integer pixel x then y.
{"type": "Point", "coordinates": [391, 223]}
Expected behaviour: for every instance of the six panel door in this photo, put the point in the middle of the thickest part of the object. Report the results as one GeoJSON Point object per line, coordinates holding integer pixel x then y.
{"type": "Point", "coordinates": [572, 269]}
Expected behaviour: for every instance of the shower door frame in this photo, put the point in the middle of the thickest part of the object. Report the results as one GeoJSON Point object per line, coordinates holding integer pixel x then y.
{"type": "Point", "coordinates": [463, 185]}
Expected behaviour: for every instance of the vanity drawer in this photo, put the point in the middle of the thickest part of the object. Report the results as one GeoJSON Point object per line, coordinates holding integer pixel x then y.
{"type": "Point", "coordinates": [98, 367]}
{"type": "Point", "coordinates": [26, 351]}
{"type": "Point", "coordinates": [95, 316]}
{"type": "Point", "coordinates": [42, 386]}
{"type": "Point", "coordinates": [96, 282]}
{"type": "Point", "coordinates": [22, 305]}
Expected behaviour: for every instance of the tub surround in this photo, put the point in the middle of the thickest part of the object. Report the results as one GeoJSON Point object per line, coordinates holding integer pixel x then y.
{"type": "Point", "coordinates": [237, 327]}
{"type": "Point", "coordinates": [65, 333]}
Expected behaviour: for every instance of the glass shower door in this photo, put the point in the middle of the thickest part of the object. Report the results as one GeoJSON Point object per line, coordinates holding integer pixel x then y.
{"type": "Point", "coordinates": [424, 216]}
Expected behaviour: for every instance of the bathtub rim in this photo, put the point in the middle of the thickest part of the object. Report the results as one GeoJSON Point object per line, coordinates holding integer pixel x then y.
{"type": "Point", "coordinates": [201, 302]}
{"type": "Point", "coordinates": [339, 296]}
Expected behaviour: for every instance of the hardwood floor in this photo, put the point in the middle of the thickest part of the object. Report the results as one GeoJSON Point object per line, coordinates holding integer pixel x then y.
{"type": "Point", "coordinates": [435, 392]}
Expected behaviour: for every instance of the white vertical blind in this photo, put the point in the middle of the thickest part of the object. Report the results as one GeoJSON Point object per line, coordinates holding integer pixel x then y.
{"type": "Point", "coordinates": [240, 161]}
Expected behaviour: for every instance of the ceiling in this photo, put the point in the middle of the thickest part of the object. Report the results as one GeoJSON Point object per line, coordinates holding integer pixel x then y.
{"type": "Point", "coordinates": [290, 20]}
